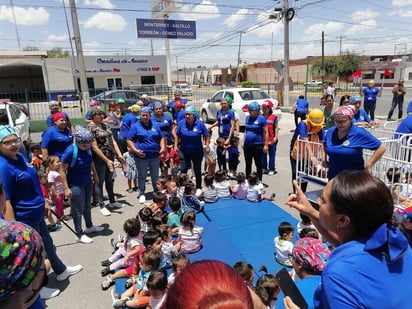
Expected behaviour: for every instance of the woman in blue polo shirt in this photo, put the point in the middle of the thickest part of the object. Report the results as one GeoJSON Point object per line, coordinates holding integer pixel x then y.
{"type": "Point", "coordinates": [344, 144]}
{"type": "Point", "coordinates": [127, 121]}
{"type": "Point", "coordinates": [146, 141]}
{"type": "Point", "coordinates": [56, 138]}
{"type": "Point", "coordinates": [24, 198]}
{"type": "Point", "coordinates": [77, 165]}
{"type": "Point", "coordinates": [189, 134]}
{"type": "Point", "coordinates": [225, 121]}
{"type": "Point", "coordinates": [256, 139]}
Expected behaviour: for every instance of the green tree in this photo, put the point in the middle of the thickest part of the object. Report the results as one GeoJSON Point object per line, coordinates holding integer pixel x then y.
{"type": "Point", "coordinates": [57, 52]}
{"type": "Point", "coordinates": [348, 63]}
{"type": "Point", "coordinates": [330, 66]}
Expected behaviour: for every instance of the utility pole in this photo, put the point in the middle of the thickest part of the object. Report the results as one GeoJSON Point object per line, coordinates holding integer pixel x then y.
{"type": "Point", "coordinates": [322, 73]}
{"type": "Point", "coordinates": [340, 44]}
{"type": "Point", "coordinates": [238, 58]}
{"type": "Point", "coordinates": [286, 54]}
{"type": "Point", "coordinates": [80, 58]}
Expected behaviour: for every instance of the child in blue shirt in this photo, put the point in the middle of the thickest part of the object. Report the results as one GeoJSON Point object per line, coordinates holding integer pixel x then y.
{"type": "Point", "coordinates": [189, 200]}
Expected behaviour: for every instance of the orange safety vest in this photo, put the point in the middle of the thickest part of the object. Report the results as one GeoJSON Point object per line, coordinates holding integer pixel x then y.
{"type": "Point", "coordinates": [313, 137]}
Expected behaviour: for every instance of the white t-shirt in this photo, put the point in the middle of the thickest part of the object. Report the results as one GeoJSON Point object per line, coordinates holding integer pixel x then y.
{"type": "Point", "coordinates": [55, 178]}
{"type": "Point", "coordinates": [223, 189]}
{"type": "Point", "coordinates": [283, 249]}
{"type": "Point", "coordinates": [156, 303]}
{"type": "Point", "coordinates": [190, 241]}
{"type": "Point", "coordinates": [253, 193]}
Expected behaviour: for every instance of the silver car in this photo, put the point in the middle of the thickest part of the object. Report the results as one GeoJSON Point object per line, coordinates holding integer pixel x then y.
{"type": "Point", "coordinates": [241, 97]}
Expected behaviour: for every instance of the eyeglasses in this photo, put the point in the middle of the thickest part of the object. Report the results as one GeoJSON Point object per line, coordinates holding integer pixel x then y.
{"type": "Point", "coordinates": [343, 121]}
{"type": "Point", "coordinates": [42, 285]}
{"type": "Point", "coordinates": [11, 142]}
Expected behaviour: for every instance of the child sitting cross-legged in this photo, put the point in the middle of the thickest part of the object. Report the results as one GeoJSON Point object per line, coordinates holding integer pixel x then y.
{"type": "Point", "coordinates": [173, 218]}
{"type": "Point", "coordinates": [157, 286]}
{"type": "Point", "coordinates": [151, 241]}
{"type": "Point", "coordinates": [126, 252]}
{"type": "Point", "coordinates": [240, 189]}
{"type": "Point", "coordinates": [222, 185]}
{"type": "Point", "coordinates": [149, 261]}
{"type": "Point", "coordinates": [189, 200]}
{"type": "Point", "coordinates": [168, 248]}
{"type": "Point", "coordinates": [283, 244]}
{"type": "Point", "coordinates": [159, 203]}
{"type": "Point", "coordinates": [190, 235]}
{"type": "Point", "coordinates": [209, 192]}
{"type": "Point", "coordinates": [253, 191]}
{"type": "Point", "coordinates": [179, 262]}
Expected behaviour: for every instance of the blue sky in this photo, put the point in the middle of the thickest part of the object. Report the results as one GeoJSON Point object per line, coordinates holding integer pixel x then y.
{"type": "Point", "coordinates": [107, 27]}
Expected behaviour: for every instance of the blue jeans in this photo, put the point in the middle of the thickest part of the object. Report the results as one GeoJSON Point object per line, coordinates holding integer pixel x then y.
{"type": "Point", "coordinates": [41, 227]}
{"type": "Point", "coordinates": [105, 177]}
{"type": "Point", "coordinates": [142, 166]}
{"type": "Point", "coordinates": [272, 155]}
{"type": "Point", "coordinates": [399, 103]}
{"type": "Point", "coordinates": [81, 201]}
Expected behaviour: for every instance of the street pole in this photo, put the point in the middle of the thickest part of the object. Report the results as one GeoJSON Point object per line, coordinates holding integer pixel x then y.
{"type": "Point", "coordinates": [80, 58]}
{"type": "Point", "coordinates": [286, 55]}
{"type": "Point", "coordinates": [238, 59]}
{"type": "Point", "coordinates": [307, 76]}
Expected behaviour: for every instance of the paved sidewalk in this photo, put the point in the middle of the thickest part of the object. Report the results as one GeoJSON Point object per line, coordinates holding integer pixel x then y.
{"type": "Point", "coordinates": [83, 290]}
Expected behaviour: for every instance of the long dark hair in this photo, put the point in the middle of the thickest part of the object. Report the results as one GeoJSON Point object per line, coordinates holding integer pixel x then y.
{"type": "Point", "coordinates": [365, 199]}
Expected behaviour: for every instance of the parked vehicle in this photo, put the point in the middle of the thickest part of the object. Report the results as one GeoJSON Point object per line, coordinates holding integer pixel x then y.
{"type": "Point", "coordinates": [241, 97]}
{"type": "Point", "coordinates": [16, 118]}
{"type": "Point", "coordinates": [217, 83]}
{"type": "Point", "coordinates": [185, 89]}
{"type": "Point", "coordinates": [313, 83]}
{"type": "Point", "coordinates": [130, 97]}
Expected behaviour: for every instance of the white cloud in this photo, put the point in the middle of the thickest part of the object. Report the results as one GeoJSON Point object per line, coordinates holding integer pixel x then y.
{"type": "Point", "coordinates": [364, 14]}
{"type": "Point", "coordinates": [106, 21]}
{"type": "Point", "coordinates": [57, 38]}
{"type": "Point", "coordinates": [204, 10]}
{"type": "Point", "coordinates": [365, 25]}
{"type": "Point", "coordinates": [314, 31]}
{"type": "Point", "coordinates": [236, 18]}
{"type": "Point", "coordinates": [24, 16]}
{"type": "Point", "coordinates": [206, 36]}
{"type": "Point", "coordinates": [401, 2]}
{"type": "Point", "coordinates": [402, 13]}
{"type": "Point", "coordinates": [104, 4]}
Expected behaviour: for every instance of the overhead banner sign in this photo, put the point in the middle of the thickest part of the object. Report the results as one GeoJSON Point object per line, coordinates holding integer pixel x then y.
{"type": "Point", "coordinates": [166, 29]}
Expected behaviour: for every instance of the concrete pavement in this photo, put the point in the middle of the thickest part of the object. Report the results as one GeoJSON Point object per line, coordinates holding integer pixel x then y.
{"type": "Point", "coordinates": [83, 290]}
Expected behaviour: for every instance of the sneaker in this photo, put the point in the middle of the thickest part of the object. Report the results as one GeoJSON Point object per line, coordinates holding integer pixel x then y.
{"type": "Point", "coordinates": [116, 205]}
{"type": "Point", "coordinates": [94, 229]}
{"type": "Point", "coordinates": [120, 303]}
{"type": "Point", "coordinates": [69, 271]}
{"type": "Point", "coordinates": [67, 218]}
{"type": "Point", "coordinates": [273, 196]}
{"type": "Point", "coordinates": [47, 293]}
{"type": "Point", "coordinates": [271, 173]}
{"type": "Point", "coordinates": [107, 283]}
{"type": "Point", "coordinates": [106, 271]}
{"type": "Point", "coordinates": [84, 239]}
{"type": "Point", "coordinates": [105, 211]}
{"type": "Point", "coordinates": [129, 282]}
{"type": "Point", "coordinates": [198, 192]}
{"type": "Point", "coordinates": [106, 263]}
{"type": "Point", "coordinates": [142, 199]}
{"type": "Point", "coordinates": [260, 186]}
{"type": "Point", "coordinates": [130, 190]}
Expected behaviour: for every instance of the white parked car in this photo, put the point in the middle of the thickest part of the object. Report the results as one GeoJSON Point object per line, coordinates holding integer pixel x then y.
{"type": "Point", "coordinates": [241, 97]}
{"type": "Point", "coordinates": [16, 118]}
{"type": "Point", "coordinates": [186, 89]}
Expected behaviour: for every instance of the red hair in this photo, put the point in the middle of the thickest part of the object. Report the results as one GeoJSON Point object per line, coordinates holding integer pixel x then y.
{"type": "Point", "coordinates": [209, 284]}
